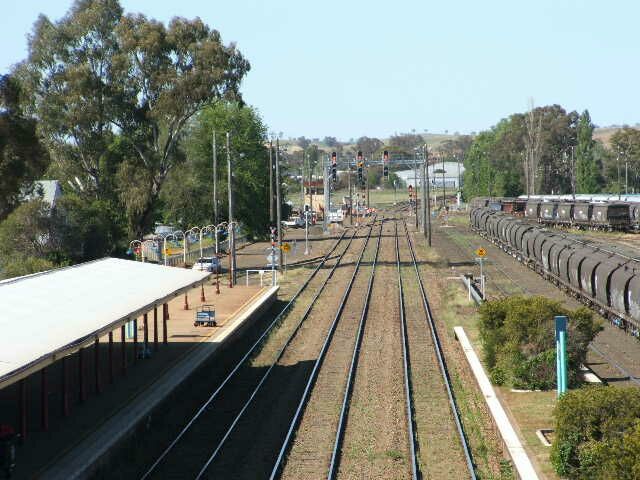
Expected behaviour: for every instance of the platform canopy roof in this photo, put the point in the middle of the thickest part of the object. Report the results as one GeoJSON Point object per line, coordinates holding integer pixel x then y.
{"type": "Point", "coordinates": [46, 316]}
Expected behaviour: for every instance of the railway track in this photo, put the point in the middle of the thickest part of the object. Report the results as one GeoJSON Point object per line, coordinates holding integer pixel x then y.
{"type": "Point", "coordinates": [311, 451]}
{"type": "Point", "coordinates": [339, 391]}
{"type": "Point", "coordinates": [362, 418]}
{"type": "Point", "coordinates": [443, 448]}
{"type": "Point", "coordinates": [184, 456]}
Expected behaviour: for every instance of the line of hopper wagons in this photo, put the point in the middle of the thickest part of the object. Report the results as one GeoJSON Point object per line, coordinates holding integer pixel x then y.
{"type": "Point", "coordinates": [594, 215]}
{"type": "Point", "coordinates": [605, 278]}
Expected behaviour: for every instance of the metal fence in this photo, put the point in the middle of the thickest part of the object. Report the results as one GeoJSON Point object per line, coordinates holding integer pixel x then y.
{"type": "Point", "coordinates": [154, 254]}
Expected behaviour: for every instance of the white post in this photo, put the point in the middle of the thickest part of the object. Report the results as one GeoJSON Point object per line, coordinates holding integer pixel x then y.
{"type": "Point", "coordinates": [200, 243]}
{"type": "Point", "coordinates": [306, 233]}
{"type": "Point", "coordinates": [164, 250]}
{"type": "Point", "coordinates": [215, 234]}
{"type": "Point", "coordinates": [482, 277]}
{"type": "Point", "coordinates": [184, 248]}
{"type": "Point", "coordinates": [469, 287]}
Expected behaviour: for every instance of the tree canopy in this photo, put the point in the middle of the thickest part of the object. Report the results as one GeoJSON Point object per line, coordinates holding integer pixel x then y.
{"type": "Point", "coordinates": [23, 159]}
{"type": "Point", "coordinates": [495, 163]}
{"type": "Point", "coordinates": [98, 74]}
{"type": "Point", "coordinates": [188, 196]}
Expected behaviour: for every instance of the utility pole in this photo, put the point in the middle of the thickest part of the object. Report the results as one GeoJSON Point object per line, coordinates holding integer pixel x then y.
{"type": "Point", "coordinates": [415, 185]}
{"type": "Point", "coordinates": [271, 209]}
{"type": "Point", "coordinates": [573, 175]}
{"type": "Point", "coordinates": [327, 194]}
{"type": "Point", "coordinates": [367, 183]}
{"type": "Point", "coordinates": [444, 186]}
{"type": "Point", "coordinates": [626, 177]}
{"type": "Point", "coordinates": [350, 195]}
{"type": "Point", "coordinates": [278, 204]}
{"type": "Point", "coordinates": [215, 179]}
{"type": "Point", "coordinates": [302, 187]}
{"type": "Point", "coordinates": [310, 182]}
{"type": "Point", "coordinates": [231, 239]}
{"type": "Point", "coordinates": [426, 192]}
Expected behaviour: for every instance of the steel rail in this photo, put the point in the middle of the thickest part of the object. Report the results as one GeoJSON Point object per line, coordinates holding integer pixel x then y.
{"type": "Point", "coordinates": [346, 400]}
{"type": "Point", "coordinates": [270, 327]}
{"type": "Point", "coordinates": [441, 361]}
{"type": "Point", "coordinates": [406, 367]}
{"type": "Point", "coordinates": [270, 369]}
{"type": "Point", "coordinates": [286, 444]}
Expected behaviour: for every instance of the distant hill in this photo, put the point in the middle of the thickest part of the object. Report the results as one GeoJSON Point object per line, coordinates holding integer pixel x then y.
{"type": "Point", "coordinates": [433, 139]}
{"type": "Point", "coordinates": [604, 134]}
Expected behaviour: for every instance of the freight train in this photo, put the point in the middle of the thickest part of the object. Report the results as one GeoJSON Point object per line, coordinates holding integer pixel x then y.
{"type": "Point", "coordinates": [606, 278]}
{"type": "Point", "coordinates": [560, 211]}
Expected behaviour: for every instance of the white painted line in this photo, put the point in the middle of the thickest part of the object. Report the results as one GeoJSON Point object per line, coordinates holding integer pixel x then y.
{"type": "Point", "coordinates": [517, 452]}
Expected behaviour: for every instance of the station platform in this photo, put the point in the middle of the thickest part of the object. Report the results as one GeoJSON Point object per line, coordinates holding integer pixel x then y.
{"type": "Point", "coordinates": [72, 445]}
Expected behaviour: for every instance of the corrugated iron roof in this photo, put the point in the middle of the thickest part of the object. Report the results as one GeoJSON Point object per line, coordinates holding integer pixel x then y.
{"type": "Point", "coordinates": [48, 315]}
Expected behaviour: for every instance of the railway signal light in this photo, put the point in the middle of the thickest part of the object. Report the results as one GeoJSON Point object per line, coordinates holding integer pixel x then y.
{"type": "Point", "coordinates": [410, 193]}
{"type": "Point", "coordinates": [385, 167]}
{"type": "Point", "coordinates": [360, 170]}
{"type": "Point", "coordinates": [334, 166]}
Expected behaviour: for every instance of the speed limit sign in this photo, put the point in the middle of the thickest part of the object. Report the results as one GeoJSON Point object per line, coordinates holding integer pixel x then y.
{"type": "Point", "coordinates": [481, 252]}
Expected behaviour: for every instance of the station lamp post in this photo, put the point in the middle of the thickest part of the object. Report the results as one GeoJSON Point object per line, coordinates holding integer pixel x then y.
{"type": "Point", "coordinates": [175, 235]}
{"type": "Point", "coordinates": [195, 231]}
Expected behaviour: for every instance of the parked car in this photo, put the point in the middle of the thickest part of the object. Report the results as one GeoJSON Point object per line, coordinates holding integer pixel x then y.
{"type": "Point", "coordinates": [296, 222]}
{"type": "Point", "coordinates": [207, 264]}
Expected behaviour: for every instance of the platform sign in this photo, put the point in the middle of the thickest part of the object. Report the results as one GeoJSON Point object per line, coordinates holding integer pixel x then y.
{"type": "Point", "coordinates": [272, 259]}
{"type": "Point", "coordinates": [561, 353]}
{"type": "Point", "coordinates": [481, 252]}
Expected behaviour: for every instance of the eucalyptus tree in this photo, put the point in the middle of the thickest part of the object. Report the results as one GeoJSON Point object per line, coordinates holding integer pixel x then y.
{"type": "Point", "coordinates": [98, 74]}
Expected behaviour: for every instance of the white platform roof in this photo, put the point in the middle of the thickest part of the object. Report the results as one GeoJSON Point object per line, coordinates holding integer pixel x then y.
{"type": "Point", "coordinates": [46, 316]}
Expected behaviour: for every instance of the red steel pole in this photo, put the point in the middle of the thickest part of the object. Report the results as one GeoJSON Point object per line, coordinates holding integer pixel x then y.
{"type": "Point", "coordinates": [65, 387]}
{"type": "Point", "coordinates": [96, 352]}
{"type": "Point", "coordinates": [165, 317]}
{"type": "Point", "coordinates": [23, 408]}
{"type": "Point", "coordinates": [44, 400]}
{"type": "Point", "coordinates": [111, 357]}
{"type": "Point", "coordinates": [155, 328]}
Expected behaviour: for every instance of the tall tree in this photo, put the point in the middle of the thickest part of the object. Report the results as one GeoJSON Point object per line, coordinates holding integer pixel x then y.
{"type": "Point", "coordinates": [586, 169]}
{"type": "Point", "coordinates": [369, 145]}
{"type": "Point", "coordinates": [22, 158]}
{"type": "Point", "coordinates": [625, 146]}
{"type": "Point", "coordinates": [188, 193]}
{"type": "Point", "coordinates": [96, 74]}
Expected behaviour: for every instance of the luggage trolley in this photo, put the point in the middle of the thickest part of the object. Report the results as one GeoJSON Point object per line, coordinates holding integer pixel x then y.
{"type": "Point", "coordinates": [205, 316]}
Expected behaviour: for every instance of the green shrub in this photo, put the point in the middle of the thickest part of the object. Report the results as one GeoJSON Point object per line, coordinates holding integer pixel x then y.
{"type": "Point", "coordinates": [518, 339]}
{"type": "Point", "coordinates": [598, 434]}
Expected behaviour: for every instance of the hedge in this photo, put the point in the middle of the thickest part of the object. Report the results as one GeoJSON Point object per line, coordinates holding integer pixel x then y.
{"type": "Point", "coordinates": [518, 339]}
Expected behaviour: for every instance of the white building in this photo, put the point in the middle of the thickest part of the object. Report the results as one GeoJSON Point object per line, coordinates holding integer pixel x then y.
{"type": "Point", "coordinates": [453, 173]}
{"type": "Point", "coordinates": [49, 190]}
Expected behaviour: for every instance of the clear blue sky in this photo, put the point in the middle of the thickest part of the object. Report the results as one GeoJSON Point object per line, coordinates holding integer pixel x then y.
{"type": "Point", "coordinates": [351, 68]}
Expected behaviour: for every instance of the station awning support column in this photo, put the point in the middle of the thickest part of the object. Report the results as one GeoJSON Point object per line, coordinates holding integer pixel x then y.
{"type": "Point", "coordinates": [123, 349]}
{"type": "Point", "coordinates": [81, 385]}
{"type": "Point", "coordinates": [135, 340]}
{"type": "Point", "coordinates": [165, 317]}
{"type": "Point", "coordinates": [65, 386]}
{"type": "Point", "coordinates": [44, 400]}
{"type": "Point", "coordinates": [111, 357]}
{"type": "Point", "coordinates": [145, 320]}
{"type": "Point", "coordinates": [96, 354]}
{"type": "Point", "coordinates": [22, 394]}
{"type": "Point", "coordinates": [155, 328]}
